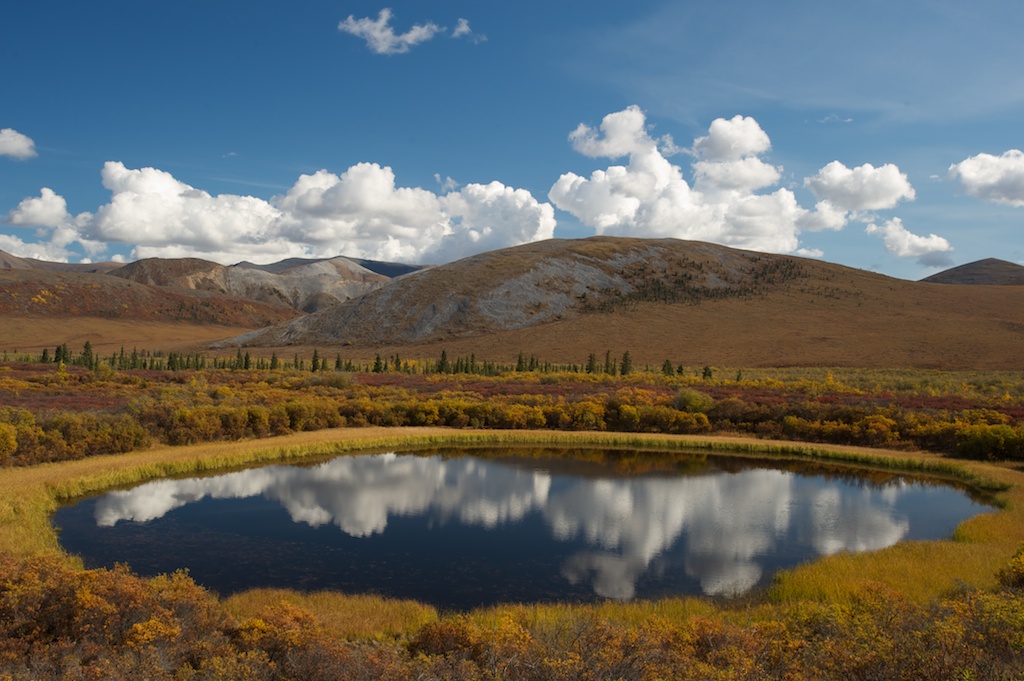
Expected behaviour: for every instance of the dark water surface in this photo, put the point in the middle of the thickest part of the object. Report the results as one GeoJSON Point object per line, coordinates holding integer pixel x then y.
{"type": "Point", "coordinates": [463, 531]}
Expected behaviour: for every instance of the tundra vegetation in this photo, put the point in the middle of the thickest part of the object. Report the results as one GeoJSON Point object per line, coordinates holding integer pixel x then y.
{"type": "Point", "coordinates": [951, 609]}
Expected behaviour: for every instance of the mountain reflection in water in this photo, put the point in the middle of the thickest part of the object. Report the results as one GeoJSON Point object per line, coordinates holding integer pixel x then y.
{"type": "Point", "coordinates": [725, 531]}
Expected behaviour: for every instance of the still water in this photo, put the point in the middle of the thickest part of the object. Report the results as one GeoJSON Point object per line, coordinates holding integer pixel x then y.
{"type": "Point", "coordinates": [461, 531]}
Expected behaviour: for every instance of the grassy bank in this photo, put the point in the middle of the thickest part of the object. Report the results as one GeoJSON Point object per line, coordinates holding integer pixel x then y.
{"type": "Point", "coordinates": [920, 570]}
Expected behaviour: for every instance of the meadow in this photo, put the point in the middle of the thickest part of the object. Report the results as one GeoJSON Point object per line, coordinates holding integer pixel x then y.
{"type": "Point", "coordinates": [945, 609]}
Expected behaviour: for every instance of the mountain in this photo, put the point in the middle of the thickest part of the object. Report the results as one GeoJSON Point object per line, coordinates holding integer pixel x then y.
{"type": "Point", "coordinates": [67, 295]}
{"type": "Point", "coordinates": [306, 285]}
{"type": "Point", "coordinates": [13, 262]}
{"type": "Point", "coordinates": [388, 269]}
{"type": "Point", "coordinates": [991, 271]}
{"type": "Point", "coordinates": [691, 302]}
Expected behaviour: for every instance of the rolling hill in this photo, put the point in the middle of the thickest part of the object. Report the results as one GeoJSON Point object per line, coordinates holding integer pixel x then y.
{"type": "Point", "coordinates": [988, 272]}
{"type": "Point", "coordinates": [43, 308]}
{"type": "Point", "coordinates": [691, 302]}
{"type": "Point", "coordinates": [305, 285]}
{"type": "Point", "coordinates": [13, 262]}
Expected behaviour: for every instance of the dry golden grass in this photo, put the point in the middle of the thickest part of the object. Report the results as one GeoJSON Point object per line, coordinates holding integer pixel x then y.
{"type": "Point", "coordinates": [343, 616]}
{"type": "Point", "coordinates": [922, 326]}
{"type": "Point", "coordinates": [32, 334]}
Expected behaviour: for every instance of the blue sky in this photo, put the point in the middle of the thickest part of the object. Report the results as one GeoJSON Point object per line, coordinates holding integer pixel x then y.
{"type": "Point", "coordinates": [879, 135]}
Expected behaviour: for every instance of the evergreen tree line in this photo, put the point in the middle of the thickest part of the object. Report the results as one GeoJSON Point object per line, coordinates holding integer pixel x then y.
{"type": "Point", "coordinates": [158, 361]}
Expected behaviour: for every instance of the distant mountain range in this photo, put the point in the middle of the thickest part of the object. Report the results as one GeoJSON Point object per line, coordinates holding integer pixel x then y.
{"type": "Point", "coordinates": [305, 285]}
{"type": "Point", "coordinates": [690, 302]}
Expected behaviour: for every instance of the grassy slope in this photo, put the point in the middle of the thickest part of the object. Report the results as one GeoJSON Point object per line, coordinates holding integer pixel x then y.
{"type": "Point", "coordinates": [921, 326]}
{"type": "Point", "coordinates": [922, 570]}
{"type": "Point", "coordinates": [33, 334]}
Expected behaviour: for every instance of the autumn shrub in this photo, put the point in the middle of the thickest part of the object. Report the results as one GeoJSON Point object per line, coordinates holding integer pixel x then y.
{"type": "Point", "coordinates": [8, 442]}
{"type": "Point", "coordinates": [690, 400]}
{"type": "Point", "coordinates": [587, 415]}
{"type": "Point", "coordinates": [985, 441]}
{"type": "Point", "coordinates": [1012, 575]}
{"type": "Point", "coordinates": [55, 620]}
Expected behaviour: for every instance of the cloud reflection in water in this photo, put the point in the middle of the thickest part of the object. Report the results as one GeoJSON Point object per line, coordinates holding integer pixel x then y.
{"type": "Point", "coordinates": [728, 520]}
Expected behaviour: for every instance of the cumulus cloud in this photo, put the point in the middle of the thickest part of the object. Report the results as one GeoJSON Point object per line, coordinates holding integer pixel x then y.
{"type": "Point", "coordinates": [733, 139]}
{"type": "Point", "coordinates": [16, 145]}
{"type": "Point", "coordinates": [49, 209]}
{"type": "Point", "coordinates": [361, 213]}
{"type": "Point", "coordinates": [164, 216]}
{"type": "Point", "coordinates": [381, 38]}
{"type": "Point", "coordinates": [862, 188]}
{"type": "Point", "coordinates": [363, 210]}
{"type": "Point", "coordinates": [650, 197]}
{"type": "Point", "coordinates": [485, 217]}
{"type": "Point", "coordinates": [930, 250]}
{"type": "Point", "coordinates": [731, 199]}
{"type": "Point", "coordinates": [38, 250]}
{"type": "Point", "coordinates": [999, 179]}
{"type": "Point", "coordinates": [55, 229]}
{"type": "Point", "coordinates": [621, 133]}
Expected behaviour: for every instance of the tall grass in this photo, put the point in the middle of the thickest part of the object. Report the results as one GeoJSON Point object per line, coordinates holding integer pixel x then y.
{"type": "Point", "coordinates": [340, 615]}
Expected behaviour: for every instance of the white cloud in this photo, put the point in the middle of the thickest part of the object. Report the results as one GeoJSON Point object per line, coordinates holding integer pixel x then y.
{"type": "Point", "coordinates": [381, 37]}
{"type": "Point", "coordinates": [462, 30]}
{"type": "Point", "coordinates": [39, 251]}
{"type": "Point", "coordinates": [733, 139]}
{"type": "Point", "coordinates": [447, 184]}
{"type": "Point", "coordinates": [152, 209]}
{"type": "Point", "coordinates": [650, 197]}
{"type": "Point", "coordinates": [929, 250]}
{"type": "Point", "coordinates": [825, 216]}
{"type": "Point", "coordinates": [730, 200]}
{"type": "Point", "coordinates": [16, 145]}
{"type": "Point", "coordinates": [485, 217]}
{"type": "Point", "coordinates": [360, 213]}
{"type": "Point", "coordinates": [364, 210]}
{"type": "Point", "coordinates": [862, 188]}
{"type": "Point", "coordinates": [56, 228]}
{"type": "Point", "coordinates": [46, 210]}
{"type": "Point", "coordinates": [743, 175]}
{"type": "Point", "coordinates": [999, 179]}
{"type": "Point", "coordinates": [621, 133]}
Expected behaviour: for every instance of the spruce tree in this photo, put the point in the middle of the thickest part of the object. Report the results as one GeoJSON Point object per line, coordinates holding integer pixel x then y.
{"type": "Point", "coordinates": [627, 363]}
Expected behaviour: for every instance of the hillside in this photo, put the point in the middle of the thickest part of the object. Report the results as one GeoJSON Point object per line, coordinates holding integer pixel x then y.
{"type": "Point", "coordinates": [306, 285]}
{"type": "Point", "coordinates": [988, 272]}
{"type": "Point", "coordinates": [388, 269]}
{"type": "Point", "coordinates": [13, 262]}
{"type": "Point", "coordinates": [41, 308]}
{"type": "Point", "coordinates": [691, 302]}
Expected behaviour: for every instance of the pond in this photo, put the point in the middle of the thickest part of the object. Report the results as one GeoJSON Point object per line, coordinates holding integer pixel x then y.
{"type": "Point", "coordinates": [462, 529]}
